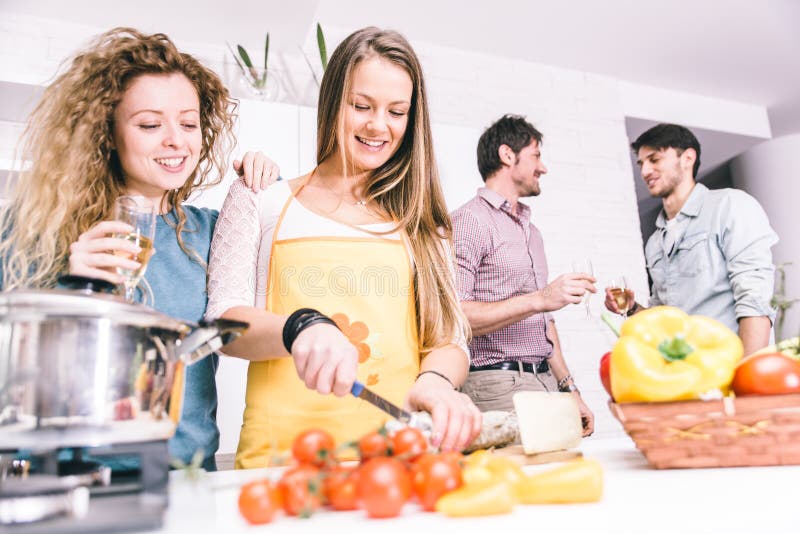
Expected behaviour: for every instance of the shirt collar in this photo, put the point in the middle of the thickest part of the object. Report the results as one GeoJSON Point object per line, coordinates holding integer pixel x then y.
{"type": "Point", "coordinates": [499, 202]}
{"type": "Point", "coordinates": [691, 208]}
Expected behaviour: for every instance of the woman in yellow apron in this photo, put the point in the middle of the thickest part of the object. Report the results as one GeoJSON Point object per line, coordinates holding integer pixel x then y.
{"type": "Point", "coordinates": [360, 247]}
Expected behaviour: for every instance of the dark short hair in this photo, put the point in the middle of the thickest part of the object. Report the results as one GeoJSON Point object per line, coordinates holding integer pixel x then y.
{"type": "Point", "coordinates": [665, 136]}
{"type": "Point", "coordinates": [511, 130]}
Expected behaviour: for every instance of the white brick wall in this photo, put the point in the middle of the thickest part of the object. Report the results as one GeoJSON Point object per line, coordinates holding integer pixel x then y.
{"type": "Point", "coordinates": [587, 208]}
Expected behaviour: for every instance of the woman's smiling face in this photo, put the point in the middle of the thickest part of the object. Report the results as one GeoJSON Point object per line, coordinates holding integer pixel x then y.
{"type": "Point", "coordinates": [157, 133]}
{"type": "Point", "coordinates": [376, 113]}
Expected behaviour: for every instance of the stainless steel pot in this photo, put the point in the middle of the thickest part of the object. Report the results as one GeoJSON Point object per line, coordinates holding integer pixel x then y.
{"type": "Point", "coordinates": [81, 368]}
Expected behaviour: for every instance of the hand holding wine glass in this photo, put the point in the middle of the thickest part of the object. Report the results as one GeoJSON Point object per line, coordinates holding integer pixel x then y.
{"type": "Point", "coordinates": [140, 214]}
{"type": "Point", "coordinates": [584, 266]}
{"type": "Point", "coordinates": [619, 296]}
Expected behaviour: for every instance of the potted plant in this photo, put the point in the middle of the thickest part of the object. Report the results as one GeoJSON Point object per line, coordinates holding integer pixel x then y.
{"type": "Point", "coordinates": [261, 82]}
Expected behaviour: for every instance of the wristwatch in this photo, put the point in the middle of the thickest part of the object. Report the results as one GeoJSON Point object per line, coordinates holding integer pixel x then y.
{"type": "Point", "coordinates": [569, 387]}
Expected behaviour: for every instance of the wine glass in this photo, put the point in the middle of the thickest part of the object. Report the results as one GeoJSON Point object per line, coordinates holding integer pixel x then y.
{"type": "Point", "coordinates": [584, 265]}
{"type": "Point", "coordinates": [140, 213]}
{"type": "Point", "coordinates": [622, 294]}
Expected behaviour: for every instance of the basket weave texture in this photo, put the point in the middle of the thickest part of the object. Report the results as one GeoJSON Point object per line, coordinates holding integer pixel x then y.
{"type": "Point", "coordinates": [731, 432]}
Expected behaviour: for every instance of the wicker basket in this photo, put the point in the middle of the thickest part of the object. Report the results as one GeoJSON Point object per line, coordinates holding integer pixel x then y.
{"type": "Point", "coordinates": [731, 432]}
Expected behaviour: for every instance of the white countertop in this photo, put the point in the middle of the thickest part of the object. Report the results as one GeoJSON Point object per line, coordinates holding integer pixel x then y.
{"type": "Point", "coordinates": [637, 499]}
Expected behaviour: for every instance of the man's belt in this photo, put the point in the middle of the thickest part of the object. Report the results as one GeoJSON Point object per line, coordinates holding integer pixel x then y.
{"type": "Point", "coordinates": [540, 367]}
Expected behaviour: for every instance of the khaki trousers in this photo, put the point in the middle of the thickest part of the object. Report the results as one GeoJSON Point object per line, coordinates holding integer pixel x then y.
{"type": "Point", "coordinates": [493, 390]}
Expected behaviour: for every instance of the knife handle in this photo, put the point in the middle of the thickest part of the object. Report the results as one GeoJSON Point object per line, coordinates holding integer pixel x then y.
{"type": "Point", "coordinates": [357, 388]}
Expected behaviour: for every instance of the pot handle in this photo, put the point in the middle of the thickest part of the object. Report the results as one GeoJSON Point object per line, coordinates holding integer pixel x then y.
{"type": "Point", "coordinates": [208, 337]}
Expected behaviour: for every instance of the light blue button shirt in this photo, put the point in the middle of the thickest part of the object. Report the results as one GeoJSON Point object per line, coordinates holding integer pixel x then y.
{"type": "Point", "coordinates": [721, 265]}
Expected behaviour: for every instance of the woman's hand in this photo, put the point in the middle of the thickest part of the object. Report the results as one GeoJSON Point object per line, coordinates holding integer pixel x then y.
{"type": "Point", "coordinates": [325, 360]}
{"type": "Point", "coordinates": [456, 419]}
{"type": "Point", "coordinates": [92, 254]}
{"type": "Point", "coordinates": [257, 170]}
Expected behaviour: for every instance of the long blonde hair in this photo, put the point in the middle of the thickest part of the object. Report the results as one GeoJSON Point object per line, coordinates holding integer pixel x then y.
{"type": "Point", "coordinates": [75, 174]}
{"type": "Point", "coordinates": [407, 186]}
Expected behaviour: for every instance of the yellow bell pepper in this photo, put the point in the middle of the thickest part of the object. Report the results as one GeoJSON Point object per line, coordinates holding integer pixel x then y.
{"type": "Point", "coordinates": [574, 482]}
{"type": "Point", "coordinates": [483, 465]}
{"type": "Point", "coordinates": [487, 498]}
{"type": "Point", "coordinates": [663, 354]}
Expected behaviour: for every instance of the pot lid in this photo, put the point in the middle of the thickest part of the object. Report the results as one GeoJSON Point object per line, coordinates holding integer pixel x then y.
{"type": "Point", "coordinates": [39, 305]}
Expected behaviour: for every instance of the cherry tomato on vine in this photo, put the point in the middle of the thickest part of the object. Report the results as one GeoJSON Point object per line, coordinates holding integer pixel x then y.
{"type": "Point", "coordinates": [314, 447]}
{"type": "Point", "coordinates": [372, 445]}
{"type": "Point", "coordinates": [341, 487]}
{"type": "Point", "coordinates": [259, 501]}
{"type": "Point", "coordinates": [432, 476]}
{"type": "Point", "coordinates": [409, 443]}
{"type": "Point", "coordinates": [300, 490]}
{"type": "Point", "coordinates": [384, 486]}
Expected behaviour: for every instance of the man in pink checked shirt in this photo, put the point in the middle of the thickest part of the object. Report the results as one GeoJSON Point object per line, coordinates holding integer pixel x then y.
{"type": "Point", "coordinates": [502, 277]}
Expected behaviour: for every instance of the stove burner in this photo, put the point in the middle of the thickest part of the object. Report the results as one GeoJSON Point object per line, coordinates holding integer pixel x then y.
{"type": "Point", "coordinates": [24, 500]}
{"type": "Point", "coordinates": [64, 488]}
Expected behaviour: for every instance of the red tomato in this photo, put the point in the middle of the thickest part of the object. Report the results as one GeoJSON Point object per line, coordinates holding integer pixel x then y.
{"type": "Point", "coordinates": [767, 374]}
{"type": "Point", "coordinates": [409, 443]}
{"type": "Point", "coordinates": [300, 490]}
{"type": "Point", "coordinates": [453, 456]}
{"type": "Point", "coordinates": [372, 445]}
{"type": "Point", "coordinates": [315, 447]}
{"type": "Point", "coordinates": [432, 476]}
{"type": "Point", "coordinates": [259, 501]}
{"type": "Point", "coordinates": [605, 373]}
{"type": "Point", "coordinates": [384, 486]}
{"type": "Point", "coordinates": [341, 488]}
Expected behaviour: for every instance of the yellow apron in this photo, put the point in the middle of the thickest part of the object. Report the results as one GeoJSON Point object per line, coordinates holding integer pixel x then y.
{"type": "Point", "coordinates": [365, 284]}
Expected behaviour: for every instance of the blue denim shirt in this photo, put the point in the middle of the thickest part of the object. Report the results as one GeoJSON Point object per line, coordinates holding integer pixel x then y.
{"type": "Point", "coordinates": [179, 286]}
{"type": "Point", "coordinates": [721, 265]}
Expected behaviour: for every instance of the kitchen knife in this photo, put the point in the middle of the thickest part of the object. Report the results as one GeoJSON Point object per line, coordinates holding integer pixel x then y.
{"type": "Point", "coordinates": [362, 392]}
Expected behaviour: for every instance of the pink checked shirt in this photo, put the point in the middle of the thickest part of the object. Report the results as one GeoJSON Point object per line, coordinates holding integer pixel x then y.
{"type": "Point", "coordinates": [500, 255]}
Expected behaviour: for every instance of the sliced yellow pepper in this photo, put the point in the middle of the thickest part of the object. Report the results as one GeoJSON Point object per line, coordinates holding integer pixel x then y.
{"type": "Point", "coordinates": [488, 498]}
{"type": "Point", "coordinates": [574, 482]}
{"type": "Point", "coordinates": [663, 354]}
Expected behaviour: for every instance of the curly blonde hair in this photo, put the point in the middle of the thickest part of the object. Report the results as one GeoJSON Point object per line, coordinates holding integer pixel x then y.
{"type": "Point", "coordinates": [407, 186]}
{"type": "Point", "coordinates": [75, 174]}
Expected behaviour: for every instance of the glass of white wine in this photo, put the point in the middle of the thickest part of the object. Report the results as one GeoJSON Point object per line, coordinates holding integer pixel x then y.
{"type": "Point", "coordinates": [140, 213]}
{"type": "Point", "coordinates": [584, 265]}
{"type": "Point", "coordinates": [622, 294]}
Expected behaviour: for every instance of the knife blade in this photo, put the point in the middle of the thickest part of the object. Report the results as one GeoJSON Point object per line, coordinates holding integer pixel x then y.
{"type": "Point", "coordinates": [362, 392]}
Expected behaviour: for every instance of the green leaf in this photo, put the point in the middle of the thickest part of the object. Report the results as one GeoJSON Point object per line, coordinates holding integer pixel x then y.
{"type": "Point", "coordinates": [237, 60]}
{"type": "Point", "coordinates": [266, 51]}
{"type": "Point", "coordinates": [323, 51]}
{"type": "Point", "coordinates": [245, 56]}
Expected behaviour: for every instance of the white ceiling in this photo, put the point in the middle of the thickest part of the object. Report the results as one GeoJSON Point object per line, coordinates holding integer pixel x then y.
{"type": "Point", "coordinates": [742, 50]}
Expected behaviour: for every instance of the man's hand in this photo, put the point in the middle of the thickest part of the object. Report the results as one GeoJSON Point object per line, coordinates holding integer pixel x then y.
{"type": "Point", "coordinates": [568, 288]}
{"type": "Point", "coordinates": [587, 417]}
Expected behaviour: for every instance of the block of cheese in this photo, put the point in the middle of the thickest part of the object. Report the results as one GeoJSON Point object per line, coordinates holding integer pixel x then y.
{"type": "Point", "coordinates": [547, 421]}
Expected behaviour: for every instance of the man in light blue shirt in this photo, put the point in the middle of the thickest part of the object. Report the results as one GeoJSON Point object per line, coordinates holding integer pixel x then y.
{"type": "Point", "coordinates": [710, 254]}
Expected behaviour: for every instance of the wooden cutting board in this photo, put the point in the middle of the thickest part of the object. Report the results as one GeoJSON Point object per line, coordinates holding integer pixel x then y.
{"type": "Point", "coordinates": [516, 453]}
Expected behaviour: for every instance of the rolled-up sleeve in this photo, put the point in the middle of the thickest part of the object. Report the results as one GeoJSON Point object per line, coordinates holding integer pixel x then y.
{"type": "Point", "coordinates": [469, 240]}
{"type": "Point", "coordinates": [746, 242]}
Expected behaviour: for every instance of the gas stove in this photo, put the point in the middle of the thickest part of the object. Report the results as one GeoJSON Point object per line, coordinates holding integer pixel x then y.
{"type": "Point", "coordinates": [114, 488]}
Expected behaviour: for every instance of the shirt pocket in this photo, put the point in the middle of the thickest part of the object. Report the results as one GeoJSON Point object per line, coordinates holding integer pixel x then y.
{"type": "Point", "coordinates": [691, 254]}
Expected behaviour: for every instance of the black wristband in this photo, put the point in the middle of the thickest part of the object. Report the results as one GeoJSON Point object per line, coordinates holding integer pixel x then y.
{"type": "Point", "coordinates": [299, 321]}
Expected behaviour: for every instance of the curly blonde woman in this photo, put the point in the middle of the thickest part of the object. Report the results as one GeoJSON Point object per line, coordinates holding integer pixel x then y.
{"type": "Point", "coordinates": [129, 115]}
{"type": "Point", "coordinates": [351, 264]}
